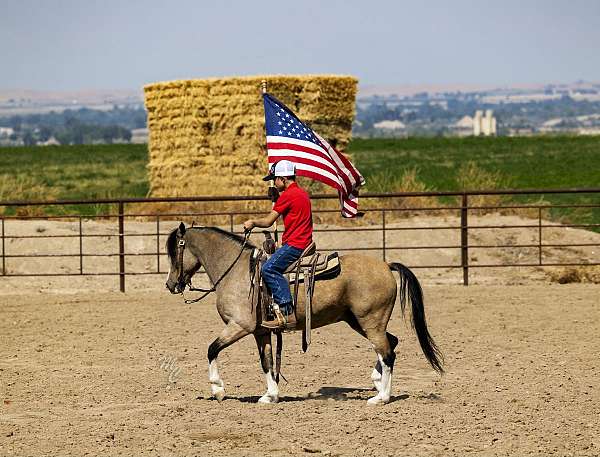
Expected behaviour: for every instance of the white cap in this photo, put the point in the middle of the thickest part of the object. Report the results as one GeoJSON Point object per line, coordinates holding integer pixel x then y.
{"type": "Point", "coordinates": [281, 168]}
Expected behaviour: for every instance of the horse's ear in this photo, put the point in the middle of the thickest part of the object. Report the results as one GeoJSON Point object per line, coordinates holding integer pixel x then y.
{"type": "Point", "coordinates": [182, 229]}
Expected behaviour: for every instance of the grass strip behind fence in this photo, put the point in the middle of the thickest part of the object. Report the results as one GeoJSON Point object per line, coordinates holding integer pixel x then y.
{"type": "Point", "coordinates": [389, 165]}
{"type": "Point", "coordinates": [453, 164]}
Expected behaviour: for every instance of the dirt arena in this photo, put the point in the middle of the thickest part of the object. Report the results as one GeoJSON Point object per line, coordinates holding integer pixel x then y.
{"type": "Point", "coordinates": [106, 373]}
{"type": "Point", "coordinates": [89, 374]}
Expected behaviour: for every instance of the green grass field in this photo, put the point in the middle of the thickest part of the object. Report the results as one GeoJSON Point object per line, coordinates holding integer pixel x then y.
{"type": "Point", "coordinates": [544, 162]}
{"type": "Point", "coordinates": [73, 172]}
{"type": "Point", "coordinates": [111, 171]}
{"type": "Point", "coordinates": [524, 162]}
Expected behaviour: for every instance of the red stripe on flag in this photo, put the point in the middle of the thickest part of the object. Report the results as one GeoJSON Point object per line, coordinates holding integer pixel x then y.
{"type": "Point", "coordinates": [351, 203]}
{"type": "Point", "coordinates": [330, 151]}
{"type": "Point", "coordinates": [305, 161]}
{"type": "Point", "coordinates": [317, 152]}
{"type": "Point", "coordinates": [349, 166]}
{"type": "Point", "coordinates": [353, 171]}
{"type": "Point", "coordinates": [320, 178]}
{"type": "Point", "coordinates": [287, 154]}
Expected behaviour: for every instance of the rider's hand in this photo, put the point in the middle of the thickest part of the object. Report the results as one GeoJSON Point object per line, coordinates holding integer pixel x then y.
{"type": "Point", "coordinates": [248, 225]}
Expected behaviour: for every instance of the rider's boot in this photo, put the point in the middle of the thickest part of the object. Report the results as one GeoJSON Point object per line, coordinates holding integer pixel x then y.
{"type": "Point", "coordinates": [284, 317]}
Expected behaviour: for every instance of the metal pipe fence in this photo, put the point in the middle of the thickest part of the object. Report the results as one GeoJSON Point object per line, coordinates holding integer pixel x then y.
{"type": "Point", "coordinates": [385, 216]}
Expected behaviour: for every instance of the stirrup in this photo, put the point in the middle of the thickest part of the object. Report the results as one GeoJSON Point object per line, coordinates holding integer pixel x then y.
{"type": "Point", "coordinates": [281, 321]}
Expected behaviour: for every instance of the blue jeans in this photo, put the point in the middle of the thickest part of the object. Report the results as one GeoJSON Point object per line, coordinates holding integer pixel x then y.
{"type": "Point", "coordinates": [273, 270]}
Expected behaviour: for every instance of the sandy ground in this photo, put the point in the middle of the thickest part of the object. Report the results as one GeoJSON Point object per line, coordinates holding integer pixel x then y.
{"type": "Point", "coordinates": [81, 375]}
{"type": "Point", "coordinates": [87, 371]}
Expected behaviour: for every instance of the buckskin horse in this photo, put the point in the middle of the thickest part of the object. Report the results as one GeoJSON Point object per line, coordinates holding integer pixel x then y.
{"type": "Point", "coordinates": [362, 295]}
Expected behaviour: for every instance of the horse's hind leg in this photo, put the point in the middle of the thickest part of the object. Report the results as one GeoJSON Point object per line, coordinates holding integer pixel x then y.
{"type": "Point", "coordinates": [230, 334]}
{"type": "Point", "coordinates": [263, 342]}
{"type": "Point", "coordinates": [386, 358]}
{"type": "Point", "coordinates": [382, 385]}
{"type": "Point", "coordinates": [377, 371]}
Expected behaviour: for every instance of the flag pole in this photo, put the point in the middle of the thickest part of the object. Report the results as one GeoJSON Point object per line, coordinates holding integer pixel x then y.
{"type": "Point", "coordinates": [272, 190]}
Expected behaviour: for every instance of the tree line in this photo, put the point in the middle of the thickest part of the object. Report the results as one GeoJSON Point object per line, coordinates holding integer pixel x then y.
{"type": "Point", "coordinates": [81, 126]}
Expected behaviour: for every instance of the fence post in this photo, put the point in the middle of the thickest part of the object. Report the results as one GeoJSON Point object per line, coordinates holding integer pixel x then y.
{"type": "Point", "coordinates": [383, 230]}
{"type": "Point", "coordinates": [540, 235]}
{"type": "Point", "coordinates": [3, 253]}
{"type": "Point", "coordinates": [80, 247]}
{"type": "Point", "coordinates": [121, 249]}
{"type": "Point", "coordinates": [464, 239]}
{"type": "Point", "coordinates": [158, 244]}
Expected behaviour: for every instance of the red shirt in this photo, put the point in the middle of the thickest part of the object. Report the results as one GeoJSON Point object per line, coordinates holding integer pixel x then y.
{"type": "Point", "coordinates": [294, 205]}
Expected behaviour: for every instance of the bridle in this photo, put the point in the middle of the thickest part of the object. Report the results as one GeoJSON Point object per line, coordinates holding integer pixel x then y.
{"type": "Point", "coordinates": [181, 283]}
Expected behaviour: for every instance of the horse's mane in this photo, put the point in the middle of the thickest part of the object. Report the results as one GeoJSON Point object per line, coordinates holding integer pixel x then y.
{"type": "Point", "coordinates": [172, 239]}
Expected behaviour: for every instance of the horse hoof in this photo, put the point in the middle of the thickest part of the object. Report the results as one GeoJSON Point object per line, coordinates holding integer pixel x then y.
{"type": "Point", "coordinates": [219, 395]}
{"type": "Point", "coordinates": [376, 401]}
{"type": "Point", "coordinates": [266, 398]}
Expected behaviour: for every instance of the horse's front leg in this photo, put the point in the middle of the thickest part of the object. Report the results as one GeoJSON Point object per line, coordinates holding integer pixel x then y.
{"type": "Point", "coordinates": [263, 342]}
{"type": "Point", "coordinates": [230, 334]}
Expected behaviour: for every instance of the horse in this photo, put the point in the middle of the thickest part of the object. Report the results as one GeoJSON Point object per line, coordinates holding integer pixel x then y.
{"type": "Point", "coordinates": [362, 295]}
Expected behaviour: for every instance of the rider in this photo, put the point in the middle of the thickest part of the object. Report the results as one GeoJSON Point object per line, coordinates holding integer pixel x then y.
{"type": "Point", "coordinates": [294, 205]}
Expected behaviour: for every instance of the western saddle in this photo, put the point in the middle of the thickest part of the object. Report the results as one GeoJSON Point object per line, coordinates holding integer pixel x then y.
{"type": "Point", "coordinates": [310, 267]}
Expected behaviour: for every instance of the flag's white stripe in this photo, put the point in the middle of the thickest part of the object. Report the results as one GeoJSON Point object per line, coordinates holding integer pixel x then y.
{"type": "Point", "coordinates": [335, 157]}
{"type": "Point", "coordinates": [347, 170]}
{"type": "Point", "coordinates": [350, 168]}
{"type": "Point", "coordinates": [343, 169]}
{"type": "Point", "coordinates": [319, 171]}
{"type": "Point", "coordinates": [335, 161]}
{"type": "Point", "coordinates": [302, 155]}
{"type": "Point", "coordinates": [315, 169]}
{"type": "Point", "coordinates": [328, 164]}
{"type": "Point", "coordinates": [282, 139]}
{"type": "Point", "coordinates": [348, 207]}
{"type": "Point", "coordinates": [327, 168]}
{"type": "Point", "coordinates": [353, 198]}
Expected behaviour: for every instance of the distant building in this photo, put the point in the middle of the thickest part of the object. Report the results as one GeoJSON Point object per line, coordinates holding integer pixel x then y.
{"type": "Point", "coordinates": [525, 131]}
{"type": "Point", "coordinates": [6, 131]}
{"type": "Point", "coordinates": [49, 142]}
{"type": "Point", "coordinates": [464, 127]}
{"type": "Point", "coordinates": [484, 125]}
{"type": "Point", "coordinates": [465, 123]}
{"type": "Point", "coordinates": [139, 136]}
{"type": "Point", "coordinates": [390, 125]}
{"type": "Point", "coordinates": [589, 131]}
{"type": "Point", "coordinates": [551, 125]}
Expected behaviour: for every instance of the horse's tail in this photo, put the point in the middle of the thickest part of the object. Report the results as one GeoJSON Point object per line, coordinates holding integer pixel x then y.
{"type": "Point", "coordinates": [409, 285]}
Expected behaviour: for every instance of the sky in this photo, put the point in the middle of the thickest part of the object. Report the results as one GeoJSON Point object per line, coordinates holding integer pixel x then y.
{"type": "Point", "coordinates": [124, 44]}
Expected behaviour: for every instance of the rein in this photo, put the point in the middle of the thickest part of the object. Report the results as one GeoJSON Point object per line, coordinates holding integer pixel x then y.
{"type": "Point", "coordinates": [180, 249]}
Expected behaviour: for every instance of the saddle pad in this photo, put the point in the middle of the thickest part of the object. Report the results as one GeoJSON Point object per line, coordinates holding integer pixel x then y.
{"type": "Point", "coordinates": [332, 270]}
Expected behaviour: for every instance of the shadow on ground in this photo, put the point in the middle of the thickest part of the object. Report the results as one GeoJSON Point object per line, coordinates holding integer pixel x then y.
{"type": "Point", "coordinates": [324, 393]}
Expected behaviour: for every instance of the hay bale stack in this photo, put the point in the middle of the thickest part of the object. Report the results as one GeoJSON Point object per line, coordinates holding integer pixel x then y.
{"type": "Point", "coordinates": [207, 136]}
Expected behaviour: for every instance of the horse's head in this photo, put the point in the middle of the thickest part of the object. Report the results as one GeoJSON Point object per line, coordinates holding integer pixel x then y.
{"type": "Point", "coordinates": [183, 263]}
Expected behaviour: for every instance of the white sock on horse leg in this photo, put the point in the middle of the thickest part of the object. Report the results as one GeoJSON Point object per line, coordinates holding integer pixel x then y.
{"type": "Point", "coordinates": [384, 385]}
{"type": "Point", "coordinates": [272, 394]}
{"type": "Point", "coordinates": [386, 381]}
{"type": "Point", "coordinates": [217, 386]}
{"type": "Point", "coordinates": [376, 376]}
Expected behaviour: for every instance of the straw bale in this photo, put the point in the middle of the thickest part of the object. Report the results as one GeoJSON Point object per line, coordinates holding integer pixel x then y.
{"type": "Point", "coordinates": [207, 136]}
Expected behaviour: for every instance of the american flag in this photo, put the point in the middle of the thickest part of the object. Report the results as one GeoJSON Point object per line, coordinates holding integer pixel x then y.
{"type": "Point", "coordinates": [290, 139]}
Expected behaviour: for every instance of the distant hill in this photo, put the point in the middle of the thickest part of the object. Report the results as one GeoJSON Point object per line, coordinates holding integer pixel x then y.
{"type": "Point", "coordinates": [409, 90]}
{"type": "Point", "coordinates": [80, 97]}
{"type": "Point", "coordinates": [24, 101]}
